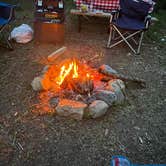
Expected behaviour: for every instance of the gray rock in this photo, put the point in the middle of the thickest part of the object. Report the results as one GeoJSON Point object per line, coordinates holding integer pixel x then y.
{"type": "Point", "coordinates": [41, 83]}
{"type": "Point", "coordinates": [71, 108]}
{"type": "Point", "coordinates": [108, 96]}
{"type": "Point", "coordinates": [37, 84]}
{"type": "Point", "coordinates": [120, 97]}
{"type": "Point", "coordinates": [118, 87]}
{"type": "Point", "coordinates": [54, 102]}
{"type": "Point", "coordinates": [97, 108]}
{"type": "Point", "coordinates": [106, 69]}
{"type": "Point", "coordinates": [45, 69]}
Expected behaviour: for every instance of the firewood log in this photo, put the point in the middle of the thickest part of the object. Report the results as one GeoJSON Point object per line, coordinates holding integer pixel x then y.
{"type": "Point", "coordinates": [123, 78]}
{"type": "Point", "coordinates": [53, 56]}
{"type": "Point", "coordinates": [84, 86]}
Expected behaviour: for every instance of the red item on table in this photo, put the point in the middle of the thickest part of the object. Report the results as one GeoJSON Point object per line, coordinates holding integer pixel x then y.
{"type": "Point", "coordinates": [104, 5]}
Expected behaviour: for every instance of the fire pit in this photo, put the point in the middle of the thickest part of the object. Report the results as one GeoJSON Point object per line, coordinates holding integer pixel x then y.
{"type": "Point", "coordinates": [76, 90]}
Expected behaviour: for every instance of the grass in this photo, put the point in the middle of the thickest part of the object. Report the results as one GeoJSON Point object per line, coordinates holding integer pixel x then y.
{"type": "Point", "coordinates": [156, 32]}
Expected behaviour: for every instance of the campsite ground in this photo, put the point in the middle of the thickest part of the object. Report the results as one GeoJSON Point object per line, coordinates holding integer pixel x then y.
{"type": "Point", "coordinates": [136, 129]}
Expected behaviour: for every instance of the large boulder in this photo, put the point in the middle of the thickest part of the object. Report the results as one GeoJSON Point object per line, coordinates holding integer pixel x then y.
{"type": "Point", "coordinates": [106, 69]}
{"type": "Point", "coordinates": [116, 84]}
{"type": "Point", "coordinates": [71, 108]}
{"type": "Point", "coordinates": [97, 108]}
{"type": "Point", "coordinates": [41, 83]}
{"type": "Point", "coordinates": [37, 84]}
{"type": "Point", "coordinates": [118, 87]}
{"type": "Point", "coordinates": [107, 96]}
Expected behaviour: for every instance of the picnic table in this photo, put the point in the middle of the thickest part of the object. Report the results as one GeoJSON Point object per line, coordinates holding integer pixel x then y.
{"type": "Point", "coordinates": [103, 5]}
{"type": "Point", "coordinates": [98, 8]}
{"type": "Point", "coordinates": [80, 14]}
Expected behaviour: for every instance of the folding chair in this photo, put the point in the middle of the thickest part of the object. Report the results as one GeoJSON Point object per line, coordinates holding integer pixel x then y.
{"type": "Point", "coordinates": [129, 24]}
{"type": "Point", "coordinates": [6, 17]}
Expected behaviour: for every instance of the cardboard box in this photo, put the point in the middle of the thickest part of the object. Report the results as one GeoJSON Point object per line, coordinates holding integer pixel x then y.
{"type": "Point", "coordinates": [46, 32]}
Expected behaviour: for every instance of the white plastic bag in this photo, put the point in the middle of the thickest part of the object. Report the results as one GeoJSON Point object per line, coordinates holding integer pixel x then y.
{"type": "Point", "coordinates": [22, 34]}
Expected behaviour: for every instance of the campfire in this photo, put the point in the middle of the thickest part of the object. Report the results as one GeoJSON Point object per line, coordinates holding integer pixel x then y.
{"type": "Point", "coordinates": [70, 75]}
{"type": "Point", "coordinates": [76, 90]}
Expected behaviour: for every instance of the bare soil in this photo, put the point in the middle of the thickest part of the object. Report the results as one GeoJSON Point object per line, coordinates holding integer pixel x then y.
{"type": "Point", "coordinates": [136, 129]}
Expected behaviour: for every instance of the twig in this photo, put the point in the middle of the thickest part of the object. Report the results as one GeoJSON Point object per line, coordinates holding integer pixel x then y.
{"type": "Point", "coordinates": [20, 146]}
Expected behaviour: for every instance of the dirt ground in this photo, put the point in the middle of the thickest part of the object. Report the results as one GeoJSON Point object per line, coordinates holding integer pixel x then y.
{"type": "Point", "coordinates": [136, 129]}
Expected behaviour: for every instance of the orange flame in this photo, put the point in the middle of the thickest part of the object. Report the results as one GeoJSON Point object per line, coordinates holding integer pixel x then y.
{"type": "Point", "coordinates": [72, 68]}
{"type": "Point", "coordinates": [75, 74]}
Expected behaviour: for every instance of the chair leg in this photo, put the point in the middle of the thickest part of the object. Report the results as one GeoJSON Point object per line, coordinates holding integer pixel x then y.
{"type": "Point", "coordinates": [140, 42]}
{"type": "Point", "coordinates": [110, 36]}
{"type": "Point", "coordinates": [9, 44]}
{"type": "Point", "coordinates": [4, 31]}
{"type": "Point", "coordinates": [120, 41]}
{"type": "Point", "coordinates": [135, 42]}
{"type": "Point", "coordinates": [113, 34]}
{"type": "Point", "coordinates": [125, 40]}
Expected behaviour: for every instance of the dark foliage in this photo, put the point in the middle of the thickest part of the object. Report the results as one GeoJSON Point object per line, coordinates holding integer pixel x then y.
{"type": "Point", "coordinates": [160, 4]}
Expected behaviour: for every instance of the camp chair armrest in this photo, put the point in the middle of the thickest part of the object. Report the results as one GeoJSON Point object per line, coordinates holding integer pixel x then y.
{"type": "Point", "coordinates": [147, 21]}
{"type": "Point", "coordinates": [148, 18]}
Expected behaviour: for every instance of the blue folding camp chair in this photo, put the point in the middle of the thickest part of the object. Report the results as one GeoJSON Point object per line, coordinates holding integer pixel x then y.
{"type": "Point", "coordinates": [7, 15]}
{"type": "Point", "coordinates": [129, 24]}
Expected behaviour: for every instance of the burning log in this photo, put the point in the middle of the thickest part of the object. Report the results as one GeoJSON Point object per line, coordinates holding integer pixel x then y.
{"type": "Point", "coordinates": [53, 56]}
{"type": "Point", "coordinates": [83, 86]}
